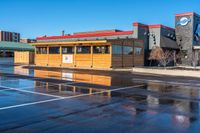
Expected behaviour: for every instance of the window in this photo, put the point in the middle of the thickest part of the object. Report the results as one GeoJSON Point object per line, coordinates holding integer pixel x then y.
{"type": "Point", "coordinates": [138, 43]}
{"type": "Point", "coordinates": [54, 50]}
{"type": "Point", "coordinates": [127, 50]}
{"type": "Point", "coordinates": [68, 50]}
{"type": "Point", "coordinates": [41, 50]}
{"type": "Point", "coordinates": [116, 49]}
{"type": "Point", "coordinates": [83, 49]}
{"type": "Point", "coordinates": [101, 50]}
{"type": "Point", "coordinates": [138, 51]}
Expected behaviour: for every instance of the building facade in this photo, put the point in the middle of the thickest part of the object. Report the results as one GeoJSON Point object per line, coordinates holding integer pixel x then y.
{"type": "Point", "coordinates": [26, 40]}
{"type": "Point", "coordinates": [188, 37]}
{"type": "Point", "coordinates": [105, 53]}
{"type": "Point", "coordinates": [151, 35]}
{"type": "Point", "coordinates": [185, 37]}
{"type": "Point", "coordinates": [9, 36]}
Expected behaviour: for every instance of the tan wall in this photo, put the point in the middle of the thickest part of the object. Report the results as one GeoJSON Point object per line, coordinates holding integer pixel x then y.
{"type": "Point", "coordinates": [41, 59]}
{"type": "Point", "coordinates": [101, 61]}
{"type": "Point", "coordinates": [54, 60]}
{"type": "Point", "coordinates": [94, 60]}
{"type": "Point", "coordinates": [83, 60]}
{"type": "Point", "coordinates": [23, 57]}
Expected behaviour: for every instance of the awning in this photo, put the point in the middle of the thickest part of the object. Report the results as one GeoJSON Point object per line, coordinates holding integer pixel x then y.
{"type": "Point", "coordinates": [16, 46]}
{"type": "Point", "coordinates": [168, 43]}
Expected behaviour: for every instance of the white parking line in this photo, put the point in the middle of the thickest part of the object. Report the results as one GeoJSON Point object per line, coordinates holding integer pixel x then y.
{"type": "Point", "coordinates": [31, 92]}
{"type": "Point", "coordinates": [28, 104]}
{"type": "Point", "coordinates": [22, 88]}
{"type": "Point", "coordinates": [62, 98]}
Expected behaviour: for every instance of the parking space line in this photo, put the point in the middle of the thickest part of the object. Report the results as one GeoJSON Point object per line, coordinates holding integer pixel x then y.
{"type": "Point", "coordinates": [4, 90]}
{"type": "Point", "coordinates": [22, 88]}
{"type": "Point", "coordinates": [31, 92]}
{"type": "Point", "coordinates": [63, 98]}
{"type": "Point", "coordinates": [28, 104]}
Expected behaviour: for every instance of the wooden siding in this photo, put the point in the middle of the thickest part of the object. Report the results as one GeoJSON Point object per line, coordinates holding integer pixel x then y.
{"type": "Point", "coordinates": [83, 60]}
{"type": "Point", "coordinates": [101, 61]}
{"type": "Point", "coordinates": [91, 60]}
{"type": "Point", "coordinates": [139, 60]}
{"type": "Point", "coordinates": [54, 60]}
{"type": "Point", "coordinates": [127, 61]}
{"type": "Point", "coordinates": [41, 59]}
{"type": "Point", "coordinates": [116, 61]}
{"type": "Point", "coordinates": [24, 57]}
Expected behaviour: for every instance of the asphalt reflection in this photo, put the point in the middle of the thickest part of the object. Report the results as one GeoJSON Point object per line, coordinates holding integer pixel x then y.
{"type": "Point", "coordinates": [96, 102]}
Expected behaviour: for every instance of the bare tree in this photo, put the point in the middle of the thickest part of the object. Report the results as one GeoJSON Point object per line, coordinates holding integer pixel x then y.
{"type": "Point", "coordinates": [155, 54]}
{"type": "Point", "coordinates": [164, 57]}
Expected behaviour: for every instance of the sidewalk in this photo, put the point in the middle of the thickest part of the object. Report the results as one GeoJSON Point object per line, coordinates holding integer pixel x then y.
{"type": "Point", "coordinates": [179, 71]}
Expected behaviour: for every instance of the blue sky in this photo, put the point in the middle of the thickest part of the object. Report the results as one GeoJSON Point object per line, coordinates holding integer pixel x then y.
{"type": "Point", "coordinates": [34, 18]}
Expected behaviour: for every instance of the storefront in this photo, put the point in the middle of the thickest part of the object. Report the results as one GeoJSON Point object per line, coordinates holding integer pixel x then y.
{"type": "Point", "coordinates": [90, 54]}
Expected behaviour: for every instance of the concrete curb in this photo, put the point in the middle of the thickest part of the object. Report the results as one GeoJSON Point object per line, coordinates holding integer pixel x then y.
{"type": "Point", "coordinates": [183, 73]}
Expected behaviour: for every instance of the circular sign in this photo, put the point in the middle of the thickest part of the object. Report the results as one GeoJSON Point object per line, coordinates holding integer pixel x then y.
{"type": "Point", "coordinates": [184, 21]}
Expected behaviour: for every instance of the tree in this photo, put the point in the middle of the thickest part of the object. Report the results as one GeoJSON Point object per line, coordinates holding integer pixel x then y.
{"type": "Point", "coordinates": [155, 53]}
{"type": "Point", "coordinates": [164, 57]}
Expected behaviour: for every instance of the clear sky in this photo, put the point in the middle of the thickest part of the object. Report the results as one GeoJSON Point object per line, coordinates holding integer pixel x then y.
{"type": "Point", "coordinates": [34, 18]}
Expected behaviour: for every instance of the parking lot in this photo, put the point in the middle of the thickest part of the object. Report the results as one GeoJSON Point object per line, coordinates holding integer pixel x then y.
{"type": "Point", "coordinates": [51, 100]}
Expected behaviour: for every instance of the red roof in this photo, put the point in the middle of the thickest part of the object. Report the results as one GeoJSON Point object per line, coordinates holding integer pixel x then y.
{"type": "Point", "coordinates": [153, 26]}
{"type": "Point", "coordinates": [113, 33]}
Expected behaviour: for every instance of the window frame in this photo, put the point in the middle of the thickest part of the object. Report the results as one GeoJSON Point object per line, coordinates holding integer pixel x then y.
{"type": "Point", "coordinates": [73, 49]}
{"type": "Point", "coordinates": [39, 51]}
{"type": "Point", "coordinates": [106, 51]}
{"type": "Point", "coordinates": [82, 51]}
{"type": "Point", "coordinates": [54, 47]}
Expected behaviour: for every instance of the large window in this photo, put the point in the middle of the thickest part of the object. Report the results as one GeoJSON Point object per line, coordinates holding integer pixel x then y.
{"type": "Point", "coordinates": [68, 50]}
{"type": "Point", "coordinates": [128, 50]}
{"type": "Point", "coordinates": [101, 50]}
{"type": "Point", "coordinates": [41, 50]}
{"type": "Point", "coordinates": [54, 50]}
{"type": "Point", "coordinates": [83, 49]}
{"type": "Point", "coordinates": [116, 49]}
{"type": "Point", "coordinates": [138, 51]}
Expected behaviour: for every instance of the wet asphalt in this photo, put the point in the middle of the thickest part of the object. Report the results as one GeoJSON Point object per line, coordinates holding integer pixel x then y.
{"type": "Point", "coordinates": [41, 100]}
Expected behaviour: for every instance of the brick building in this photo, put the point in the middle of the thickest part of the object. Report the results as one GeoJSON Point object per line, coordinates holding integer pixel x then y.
{"type": "Point", "coordinates": [9, 36]}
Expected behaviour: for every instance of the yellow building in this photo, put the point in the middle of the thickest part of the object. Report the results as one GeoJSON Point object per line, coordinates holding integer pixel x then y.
{"type": "Point", "coordinates": [90, 54]}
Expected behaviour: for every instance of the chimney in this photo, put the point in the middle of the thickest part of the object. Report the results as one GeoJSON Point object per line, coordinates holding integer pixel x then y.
{"type": "Point", "coordinates": [63, 33]}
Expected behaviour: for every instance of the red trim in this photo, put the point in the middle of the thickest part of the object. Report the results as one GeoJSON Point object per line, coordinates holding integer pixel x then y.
{"type": "Point", "coordinates": [155, 26]}
{"type": "Point", "coordinates": [86, 35]}
{"type": "Point", "coordinates": [160, 26]}
{"type": "Point", "coordinates": [152, 26]}
{"type": "Point", "coordinates": [185, 14]}
{"type": "Point", "coordinates": [140, 24]}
